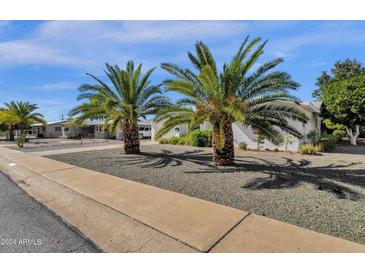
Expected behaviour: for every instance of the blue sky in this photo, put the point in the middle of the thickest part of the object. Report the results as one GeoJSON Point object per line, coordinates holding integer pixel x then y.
{"type": "Point", "coordinates": [45, 61]}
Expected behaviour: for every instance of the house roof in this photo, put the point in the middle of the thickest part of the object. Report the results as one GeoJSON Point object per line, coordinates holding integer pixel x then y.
{"type": "Point", "coordinates": [312, 106]}
{"type": "Point", "coordinates": [101, 122]}
{"type": "Point", "coordinates": [91, 122]}
{"type": "Point", "coordinates": [48, 123]}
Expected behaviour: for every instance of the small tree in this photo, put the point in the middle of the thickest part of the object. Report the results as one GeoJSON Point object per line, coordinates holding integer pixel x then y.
{"type": "Point", "coordinates": [21, 140]}
{"type": "Point", "coordinates": [288, 140]}
{"type": "Point", "coordinates": [345, 99]}
{"type": "Point", "coordinates": [260, 140]}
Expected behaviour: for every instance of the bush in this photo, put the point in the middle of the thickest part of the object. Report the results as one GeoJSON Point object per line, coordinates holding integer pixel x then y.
{"type": "Point", "coordinates": [197, 137]}
{"type": "Point", "coordinates": [242, 146]}
{"type": "Point", "coordinates": [328, 141]}
{"type": "Point", "coordinates": [21, 140]}
{"type": "Point", "coordinates": [310, 149]}
{"type": "Point", "coordinates": [163, 141]}
{"type": "Point", "coordinates": [200, 138]}
{"type": "Point", "coordinates": [312, 136]}
{"type": "Point", "coordinates": [175, 140]}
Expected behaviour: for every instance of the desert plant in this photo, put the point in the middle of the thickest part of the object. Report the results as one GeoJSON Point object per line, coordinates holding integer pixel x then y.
{"type": "Point", "coordinates": [310, 149]}
{"type": "Point", "coordinates": [242, 145]}
{"type": "Point", "coordinates": [122, 104]}
{"type": "Point", "coordinates": [237, 93]}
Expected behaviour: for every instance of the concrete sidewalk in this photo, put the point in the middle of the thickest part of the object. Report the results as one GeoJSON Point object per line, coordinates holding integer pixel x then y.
{"type": "Point", "coordinates": [120, 215]}
{"type": "Point", "coordinates": [81, 149]}
{"type": "Point", "coordinates": [73, 150]}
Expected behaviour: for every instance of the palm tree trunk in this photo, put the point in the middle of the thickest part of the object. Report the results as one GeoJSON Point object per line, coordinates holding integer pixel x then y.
{"type": "Point", "coordinates": [131, 138]}
{"type": "Point", "coordinates": [223, 150]}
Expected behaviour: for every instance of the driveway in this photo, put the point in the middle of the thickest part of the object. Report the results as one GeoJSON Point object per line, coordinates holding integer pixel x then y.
{"type": "Point", "coordinates": [27, 226]}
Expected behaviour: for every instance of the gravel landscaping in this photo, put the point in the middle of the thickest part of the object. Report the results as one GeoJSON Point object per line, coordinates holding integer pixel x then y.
{"type": "Point", "coordinates": [58, 143]}
{"type": "Point", "coordinates": [323, 193]}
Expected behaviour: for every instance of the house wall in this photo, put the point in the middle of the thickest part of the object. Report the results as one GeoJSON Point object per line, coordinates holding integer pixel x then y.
{"type": "Point", "coordinates": [245, 134]}
{"type": "Point", "coordinates": [100, 133]}
{"type": "Point", "coordinates": [179, 130]}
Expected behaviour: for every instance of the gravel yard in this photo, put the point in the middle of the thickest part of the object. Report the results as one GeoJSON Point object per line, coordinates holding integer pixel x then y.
{"type": "Point", "coordinates": [323, 193]}
{"type": "Point", "coordinates": [58, 143]}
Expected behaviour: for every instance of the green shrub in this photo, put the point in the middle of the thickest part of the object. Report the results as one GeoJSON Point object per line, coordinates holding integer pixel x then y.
{"type": "Point", "coordinates": [183, 140]}
{"type": "Point", "coordinates": [310, 149]}
{"type": "Point", "coordinates": [163, 141]}
{"type": "Point", "coordinates": [197, 137]}
{"type": "Point", "coordinates": [175, 140]}
{"type": "Point", "coordinates": [200, 138]}
{"type": "Point", "coordinates": [328, 141]}
{"type": "Point", "coordinates": [312, 136]}
{"type": "Point", "coordinates": [242, 146]}
{"type": "Point", "coordinates": [21, 139]}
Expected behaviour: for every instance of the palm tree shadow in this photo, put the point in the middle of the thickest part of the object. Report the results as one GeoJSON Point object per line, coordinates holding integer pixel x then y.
{"type": "Point", "coordinates": [335, 179]}
{"type": "Point", "coordinates": [332, 178]}
{"type": "Point", "coordinates": [166, 158]}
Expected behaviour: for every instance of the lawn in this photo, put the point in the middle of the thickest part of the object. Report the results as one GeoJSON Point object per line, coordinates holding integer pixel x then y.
{"type": "Point", "coordinates": [323, 193]}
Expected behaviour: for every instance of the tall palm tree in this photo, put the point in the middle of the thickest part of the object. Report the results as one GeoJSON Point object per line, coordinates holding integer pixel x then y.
{"type": "Point", "coordinates": [256, 97]}
{"type": "Point", "coordinates": [130, 97]}
{"type": "Point", "coordinates": [20, 115]}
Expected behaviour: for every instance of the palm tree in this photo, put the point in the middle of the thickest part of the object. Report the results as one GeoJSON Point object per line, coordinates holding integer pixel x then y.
{"type": "Point", "coordinates": [20, 115]}
{"type": "Point", "coordinates": [130, 97]}
{"type": "Point", "coordinates": [239, 93]}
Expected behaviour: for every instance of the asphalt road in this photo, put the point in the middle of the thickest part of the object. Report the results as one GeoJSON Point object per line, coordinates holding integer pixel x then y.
{"type": "Point", "coordinates": [27, 226]}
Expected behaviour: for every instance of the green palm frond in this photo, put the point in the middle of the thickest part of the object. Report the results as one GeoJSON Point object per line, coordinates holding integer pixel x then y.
{"type": "Point", "coordinates": [129, 96]}
{"type": "Point", "coordinates": [21, 114]}
{"type": "Point", "coordinates": [257, 97]}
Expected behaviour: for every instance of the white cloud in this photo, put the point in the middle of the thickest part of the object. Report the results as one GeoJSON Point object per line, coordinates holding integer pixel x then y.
{"type": "Point", "coordinates": [33, 52]}
{"type": "Point", "coordinates": [89, 43]}
{"type": "Point", "coordinates": [163, 31]}
{"type": "Point", "coordinates": [59, 86]}
{"type": "Point", "coordinates": [324, 35]}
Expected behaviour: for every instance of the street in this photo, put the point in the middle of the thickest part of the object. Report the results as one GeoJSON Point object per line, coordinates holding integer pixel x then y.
{"type": "Point", "coordinates": [27, 226]}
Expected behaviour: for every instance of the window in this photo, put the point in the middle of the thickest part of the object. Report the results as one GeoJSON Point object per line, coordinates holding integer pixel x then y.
{"type": "Point", "coordinates": [57, 128]}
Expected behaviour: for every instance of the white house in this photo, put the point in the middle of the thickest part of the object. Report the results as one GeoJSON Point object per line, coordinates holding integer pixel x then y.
{"type": "Point", "coordinates": [242, 133]}
{"type": "Point", "coordinates": [148, 129]}
{"type": "Point", "coordinates": [92, 129]}
{"type": "Point", "coordinates": [245, 134]}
